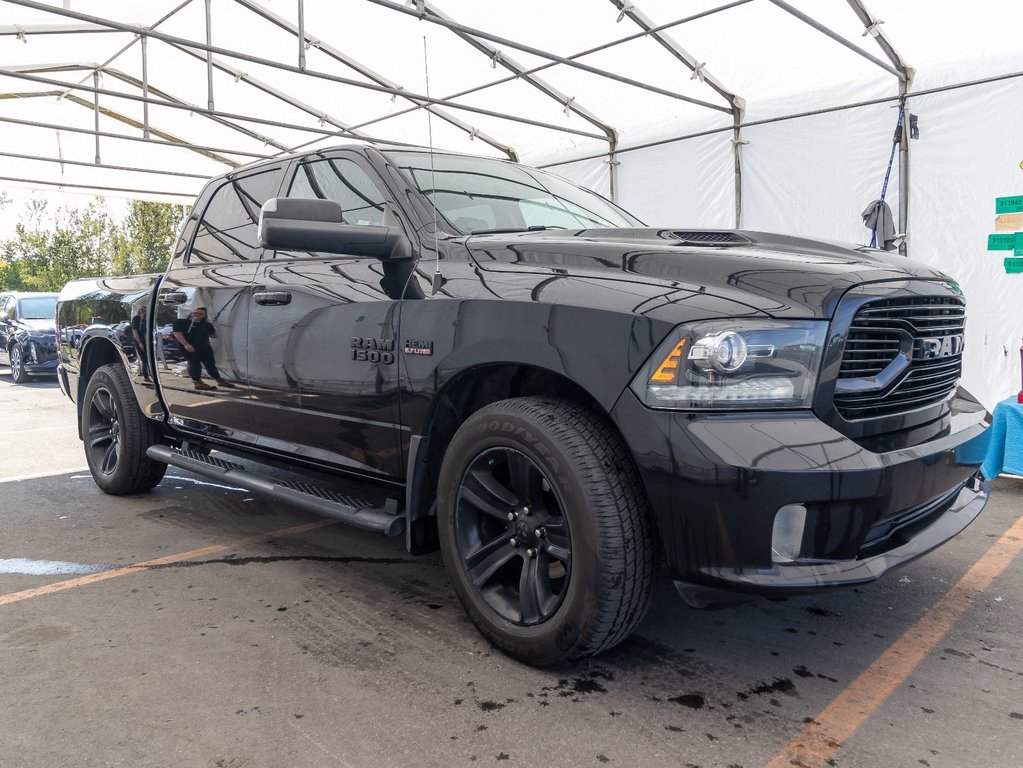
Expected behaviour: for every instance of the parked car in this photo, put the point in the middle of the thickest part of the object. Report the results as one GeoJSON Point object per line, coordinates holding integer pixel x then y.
{"type": "Point", "coordinates": [555, 394]}
{"type": "Point", "coordinates": [28, 342]}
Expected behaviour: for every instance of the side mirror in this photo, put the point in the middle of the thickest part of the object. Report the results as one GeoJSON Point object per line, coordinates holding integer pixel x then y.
{"type": "Point", "coordinates": [173, 297]}
{"type": "Point", "coordinates": [311, 224]}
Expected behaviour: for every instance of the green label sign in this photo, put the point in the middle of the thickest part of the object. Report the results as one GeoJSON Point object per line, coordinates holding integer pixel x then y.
{"type": "Point", "coordinates": [1009, 204]}
{"type": "Point", "coordinates": [1014, 266]}
{"type": "Point", "coordinates": [1004, 242]}
{"type": "Point", "coordinates": [1017, 246]}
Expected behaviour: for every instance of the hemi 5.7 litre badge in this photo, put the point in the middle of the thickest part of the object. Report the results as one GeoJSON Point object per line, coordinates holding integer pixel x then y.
{"type": "Point", "coordinates": [372, 350]}
{"type": "Point", "coordinates": [418, 347]}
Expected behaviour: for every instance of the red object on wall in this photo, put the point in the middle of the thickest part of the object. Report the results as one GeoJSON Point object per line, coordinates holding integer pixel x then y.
{"type": "Point", "coordinates": [1019, 397]}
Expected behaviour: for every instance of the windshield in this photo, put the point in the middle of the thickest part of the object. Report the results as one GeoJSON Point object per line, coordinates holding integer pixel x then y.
{"type": "Point", "coordinates": [38, 308]}
{"type": "Point", "coordinates": [474, 194]}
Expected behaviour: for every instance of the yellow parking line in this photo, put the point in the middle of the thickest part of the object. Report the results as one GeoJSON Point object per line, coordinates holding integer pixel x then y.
{"type": "Point", "coordinates": [81, 581]}
{"type": "Point", "coordinates": [819, 741]}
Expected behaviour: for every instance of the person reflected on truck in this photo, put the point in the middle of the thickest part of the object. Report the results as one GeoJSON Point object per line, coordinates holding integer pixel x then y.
{"type": "Point", "coordinates": [138, 337]}
{"type": "Point", "coordinates": [194, 333]}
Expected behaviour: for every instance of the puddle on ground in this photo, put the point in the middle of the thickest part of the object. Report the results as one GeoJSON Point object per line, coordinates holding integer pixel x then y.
{"type": "Point", "coordinates": [26, 567]}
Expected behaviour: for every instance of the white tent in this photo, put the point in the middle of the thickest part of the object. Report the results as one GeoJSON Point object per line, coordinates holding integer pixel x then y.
{"type": "Point", "coordinates": [759, 113]}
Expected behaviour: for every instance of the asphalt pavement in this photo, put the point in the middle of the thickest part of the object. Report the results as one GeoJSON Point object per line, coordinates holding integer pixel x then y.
{"type": "Point", "coordinates": [199, 625]}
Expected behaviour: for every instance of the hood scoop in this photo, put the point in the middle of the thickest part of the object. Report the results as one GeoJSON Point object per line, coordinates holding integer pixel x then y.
{"type": "Point", "coordinates": [707, 237]}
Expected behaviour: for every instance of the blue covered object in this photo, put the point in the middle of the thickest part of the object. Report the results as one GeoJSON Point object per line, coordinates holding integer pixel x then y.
{"type": "Point", "coordinates": [1001, 446]}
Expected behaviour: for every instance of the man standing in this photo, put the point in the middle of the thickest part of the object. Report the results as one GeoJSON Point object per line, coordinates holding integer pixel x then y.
{"type": "Point", "coordinates": [138, 334]}
{"type": "Point", "coordinates": [194, 333]}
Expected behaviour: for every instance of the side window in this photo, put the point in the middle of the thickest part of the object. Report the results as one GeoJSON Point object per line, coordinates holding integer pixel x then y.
{"type": "Point", "coordinates": [228, 230]}
{"type": "Point", "coordinates": [343, 181]}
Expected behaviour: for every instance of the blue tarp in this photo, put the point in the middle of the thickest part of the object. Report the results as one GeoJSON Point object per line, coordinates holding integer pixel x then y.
{"type": "Point", "coordinates": [1001, 446]}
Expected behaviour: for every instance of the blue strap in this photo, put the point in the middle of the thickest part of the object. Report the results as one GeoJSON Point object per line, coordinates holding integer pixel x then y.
{"type": "Point", "coordinates": [888, 173]}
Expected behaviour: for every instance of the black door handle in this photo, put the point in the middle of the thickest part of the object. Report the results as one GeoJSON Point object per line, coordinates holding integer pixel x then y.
{"type": "Point", "coordinates": [272, 298]}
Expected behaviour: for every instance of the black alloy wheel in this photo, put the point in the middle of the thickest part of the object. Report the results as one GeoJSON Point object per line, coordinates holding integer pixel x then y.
{"type": "Point", "coordinates": [545, 529]}
{"type": "Point", "coordinates": [103, 436]}
{"type": "Point", "coordinates": [18, 373]}
{"type": "Point", "coordinates": [117, 435]}
{"type": "Point", "coordinates": [513, 537]}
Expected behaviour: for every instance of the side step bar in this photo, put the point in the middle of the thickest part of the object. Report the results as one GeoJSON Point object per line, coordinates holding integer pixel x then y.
{"type": "Point", "coordinates": [322, 501]}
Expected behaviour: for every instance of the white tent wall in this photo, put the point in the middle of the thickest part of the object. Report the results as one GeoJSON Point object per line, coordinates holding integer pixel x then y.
{"type": "Point", "coordinates": [969, 153]}
{"type": "Point", "coordinates": [815, 175]}
{"type": "Point", "coordinates": [592, 174]}
{"type": "Point", "coordinates": [687, 183]}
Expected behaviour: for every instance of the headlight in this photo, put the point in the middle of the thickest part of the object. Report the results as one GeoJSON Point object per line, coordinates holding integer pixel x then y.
{"type": "Point", "coordinates": [735, 364]}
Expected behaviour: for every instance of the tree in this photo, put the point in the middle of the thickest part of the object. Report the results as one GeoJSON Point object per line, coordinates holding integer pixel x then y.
{"type": "Point", "coordinates": [145, 238]}
{"type": "Point", "coordinates": [86, 243]}
{"type": "Point", "coordinates": [37, 259]}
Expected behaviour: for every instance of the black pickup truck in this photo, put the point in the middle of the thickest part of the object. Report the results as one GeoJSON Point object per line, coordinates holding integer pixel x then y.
{"type": "Point", "coordinates": [523, 374]}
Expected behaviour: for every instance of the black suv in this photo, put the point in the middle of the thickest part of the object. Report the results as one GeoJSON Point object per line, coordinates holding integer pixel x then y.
{"type": "Point", "coordinates": [27, 338]}
{"type": "Point", "coordinates": [555, 394]}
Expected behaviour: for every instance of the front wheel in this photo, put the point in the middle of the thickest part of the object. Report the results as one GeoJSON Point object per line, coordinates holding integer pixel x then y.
{"type": "Point", "coordinates": [18, 373]}
{"type": "Point", "coordinates": [117, 435]}
{"type": "Point", "coordinates": [545, 530]}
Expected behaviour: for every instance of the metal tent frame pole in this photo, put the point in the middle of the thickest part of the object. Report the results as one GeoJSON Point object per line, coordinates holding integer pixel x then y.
{"type": "Point", "coordinates": [573, 57]}
{"type": "Point", "coordinates": [872, 27]}
{"type": "Point", "coordinates": [395, 89]}
{"type": "Point", "coordinates": [454, 26]}
{"type": "Point", "coordinates": [736, 103]}
{"type": "Point", "coordinates": [836, 37]}
{"type": "Point", "coordinates": [496, 56]}
{"type": "Point", "coordinates": [223, 118]}
{"type": "Point", "coordinates": [133, 28]}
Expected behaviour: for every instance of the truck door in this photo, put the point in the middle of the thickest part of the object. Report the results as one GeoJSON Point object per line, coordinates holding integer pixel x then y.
{"type": "Point", "coordinates": [216, 272]}
{"type": "Point", "coordinates": [322, 336]}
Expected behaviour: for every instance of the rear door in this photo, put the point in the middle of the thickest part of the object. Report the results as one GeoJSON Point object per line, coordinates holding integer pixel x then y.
{"type": "Point", "coordinates": [217, 273]}
{"type": "Point", "coordinates": [322, 335]}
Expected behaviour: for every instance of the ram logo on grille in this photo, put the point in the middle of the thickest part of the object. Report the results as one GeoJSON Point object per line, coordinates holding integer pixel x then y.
{"type": "Point", "coordinates": [943, 346]}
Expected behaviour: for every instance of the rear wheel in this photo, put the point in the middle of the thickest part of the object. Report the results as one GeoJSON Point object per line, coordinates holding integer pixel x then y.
{"type": "Point", "coordinates": [544, 530]}
{"type": "Point", "coordinates": [117, 435]}
{"type": "Point", "coordinates": [18, 373]}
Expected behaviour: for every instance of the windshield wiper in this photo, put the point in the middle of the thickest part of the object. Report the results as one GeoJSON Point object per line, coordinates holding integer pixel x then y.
{"type": "Point", "coordinates": [509, 230]}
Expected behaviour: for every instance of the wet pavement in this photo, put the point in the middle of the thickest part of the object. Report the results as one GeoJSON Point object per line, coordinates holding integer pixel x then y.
{"type": "Point", "coordinates": [332, 646]}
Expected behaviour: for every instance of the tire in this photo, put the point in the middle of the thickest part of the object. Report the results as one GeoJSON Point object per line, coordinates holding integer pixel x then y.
{"type": "Point", "coordinates": [18, 373]}
{"type": "Point", "coordinates": [117, 435]}
{"type": "Point", "coordinates": [545, 530]}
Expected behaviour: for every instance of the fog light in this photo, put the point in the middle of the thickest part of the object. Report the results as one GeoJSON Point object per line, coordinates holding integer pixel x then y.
{"type": "Point", "coordinates": [787, 536]}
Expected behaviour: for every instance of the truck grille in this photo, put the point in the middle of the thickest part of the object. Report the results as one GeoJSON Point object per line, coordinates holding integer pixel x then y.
{"type": "Point", "coordinates": [926, 330]}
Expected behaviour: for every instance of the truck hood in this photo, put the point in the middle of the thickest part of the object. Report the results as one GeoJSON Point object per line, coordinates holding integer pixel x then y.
{"type": "Point", "coordinates": [38, 325]}
{"type": "Point", "coordinates": [779, 275]}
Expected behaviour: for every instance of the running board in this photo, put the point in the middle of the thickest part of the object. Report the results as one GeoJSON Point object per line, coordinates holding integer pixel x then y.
{"type": "Point", "coordinates": [322, 501]}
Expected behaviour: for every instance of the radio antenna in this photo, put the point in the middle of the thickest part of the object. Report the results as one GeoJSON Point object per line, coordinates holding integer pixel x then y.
{"type": "Point", "coordinates": [438, 279]}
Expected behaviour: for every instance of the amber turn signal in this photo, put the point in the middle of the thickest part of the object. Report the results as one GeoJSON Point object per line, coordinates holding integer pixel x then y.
{"type": "Point", "coordinates": [667, 371]}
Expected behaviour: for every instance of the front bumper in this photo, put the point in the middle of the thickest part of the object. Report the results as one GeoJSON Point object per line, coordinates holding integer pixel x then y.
{"type": "Point", "coordinates": [39, 357]}
{"type": "Point", "coordinates": [44, 368]}
{"type": "Point", "coordinates": [715, 483]}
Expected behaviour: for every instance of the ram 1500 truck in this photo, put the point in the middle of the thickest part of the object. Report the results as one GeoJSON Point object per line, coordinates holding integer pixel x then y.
{"type": "Point", "coordinates": [558, 396]}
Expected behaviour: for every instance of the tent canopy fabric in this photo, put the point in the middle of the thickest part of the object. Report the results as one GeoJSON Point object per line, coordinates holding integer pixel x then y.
{"type": "Point", "coordinates": [219, 83]}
